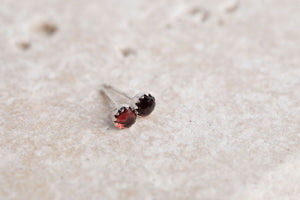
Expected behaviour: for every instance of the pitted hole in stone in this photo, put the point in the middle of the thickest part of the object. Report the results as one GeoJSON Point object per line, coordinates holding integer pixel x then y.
{"type": "Point", "coordinates": [23, 45]}
{"type": "Point", "coordinates": [127, 51]}
{"type": "Point", "coordinates": [44, 27]}
{"type": "Point", "coordinates": [199, 12]}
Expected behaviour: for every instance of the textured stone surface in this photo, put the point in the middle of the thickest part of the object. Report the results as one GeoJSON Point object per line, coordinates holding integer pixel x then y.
{"type": "Point", "coordinates": [226, 79]}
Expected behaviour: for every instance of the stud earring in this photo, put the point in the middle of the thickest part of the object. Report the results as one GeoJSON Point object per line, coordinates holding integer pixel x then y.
{"type": "Point", "coordinates": [144, 103]}
{"type": "Point", "coordinates": [123, 116]}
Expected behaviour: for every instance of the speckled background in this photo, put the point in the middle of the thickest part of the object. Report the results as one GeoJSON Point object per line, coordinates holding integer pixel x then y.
{"type": "Point", "coordinates": [225, 74]}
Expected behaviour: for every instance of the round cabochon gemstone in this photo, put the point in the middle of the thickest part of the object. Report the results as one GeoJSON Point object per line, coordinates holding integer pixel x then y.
{"type": "Point", "coordinates": [125, 118]}
{"type": "Point", "coordinates": [145, 105]}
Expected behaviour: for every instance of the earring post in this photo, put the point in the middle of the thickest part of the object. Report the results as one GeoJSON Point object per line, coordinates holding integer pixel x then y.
{"type": "Point", "coordinates": [116, 90]}
{"type": "Point", "coordinates": [105, 93]}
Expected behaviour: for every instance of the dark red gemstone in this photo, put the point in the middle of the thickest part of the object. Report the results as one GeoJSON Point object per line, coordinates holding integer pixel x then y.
{"type": "Point", "coordinates": [125, 117]}
{"type": "Point", "coordinates": [145, 105]}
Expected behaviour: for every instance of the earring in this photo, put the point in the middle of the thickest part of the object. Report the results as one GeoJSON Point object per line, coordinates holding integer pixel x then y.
{"type": "Point", "coordinates": [123, 116]}
{"type": "Point", "coordinates": [144, 103]}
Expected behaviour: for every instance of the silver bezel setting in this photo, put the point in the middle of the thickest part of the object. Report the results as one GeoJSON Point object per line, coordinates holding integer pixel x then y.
{"type": "Point", "coordinates": [138, 99]}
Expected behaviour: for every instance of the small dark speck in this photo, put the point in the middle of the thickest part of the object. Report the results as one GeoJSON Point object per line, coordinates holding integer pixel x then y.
{"type": "Point", "coordinates": [23, 45]}
{"type": "Point", "coordinates": [128, 52]}
{"type": "Point", "coordinates": [202, 13]}
{"type": "Point", "coordinates": [45, 27]}
{"type": "Point", "coordinates": [221, 22]}
{"type": "Point", "coordinates": [168, 26]}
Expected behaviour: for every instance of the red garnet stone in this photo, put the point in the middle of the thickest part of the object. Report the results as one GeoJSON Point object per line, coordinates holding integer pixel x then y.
{"type": "Point", "coordinates": [145, 105]}
{"type": "Point", "coordinates": [125, 117]}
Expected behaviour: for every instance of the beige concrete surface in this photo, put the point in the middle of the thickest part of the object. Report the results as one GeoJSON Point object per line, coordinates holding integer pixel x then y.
{"type": "Point", "coordinates": [225, 74]}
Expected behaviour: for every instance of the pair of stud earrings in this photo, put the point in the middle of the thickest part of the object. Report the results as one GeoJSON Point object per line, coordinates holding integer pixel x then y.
{"type": "Point", "coordinates": [125, 115]}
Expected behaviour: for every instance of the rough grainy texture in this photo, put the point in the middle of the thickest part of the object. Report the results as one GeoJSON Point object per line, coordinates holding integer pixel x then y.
{"type": "Point", "coordinates": [225, 74]}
